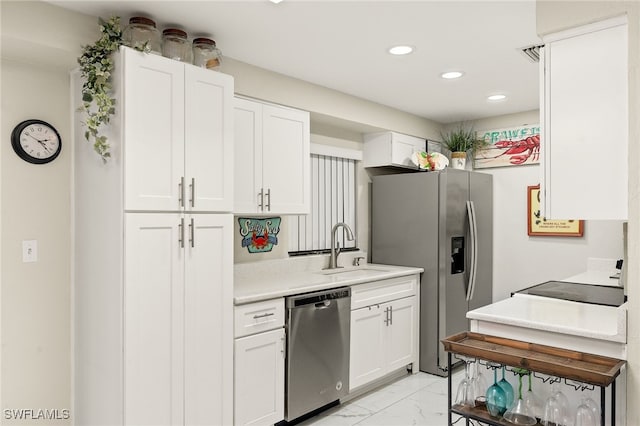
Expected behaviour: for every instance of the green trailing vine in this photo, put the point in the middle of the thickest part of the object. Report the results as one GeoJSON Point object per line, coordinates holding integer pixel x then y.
{"type": "Point", "coordinates": [96, 68]}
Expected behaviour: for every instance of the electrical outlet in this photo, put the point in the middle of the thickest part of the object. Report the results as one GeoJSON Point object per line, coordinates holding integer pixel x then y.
{"type": "Point", "coordinates": [30, 251]}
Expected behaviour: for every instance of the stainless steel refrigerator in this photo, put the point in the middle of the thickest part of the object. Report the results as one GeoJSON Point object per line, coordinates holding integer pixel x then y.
{"type": "Point", "coordinates": [442, 222]}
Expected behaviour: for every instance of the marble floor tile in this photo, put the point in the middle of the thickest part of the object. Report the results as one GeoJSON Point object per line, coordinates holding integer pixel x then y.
{"type": "Point", "coordinates": [418, 399]}
{"type": "Point", "coordinates": [411, 411]}
{"type": "Point", "coordinates": [342, 415]}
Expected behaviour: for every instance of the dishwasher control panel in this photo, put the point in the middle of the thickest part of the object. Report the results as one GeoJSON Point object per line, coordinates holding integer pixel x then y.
{"type": "Point", "coordinates": [305, 299]}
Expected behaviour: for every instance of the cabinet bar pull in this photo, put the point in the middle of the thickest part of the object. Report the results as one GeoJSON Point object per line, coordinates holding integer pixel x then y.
{"type": "Point", "coordinates": [268, 314]}
{"type": "Point", "coordinates": [181, 192]}
{"type": "Point", "coordinates": [192, 187]}
{"type": "Point", "coordinates": [386, 316]}
{"type": "Point", "coordinates": [192, 238]}
{"type": "Point", "coordinates": [269, 202]}
{"type": "Point", "coordinates": [181, 233]}
{"type": "Point", "coordinates": [390, 315]}
{"type": "Point", "coordinates": [261, 203]}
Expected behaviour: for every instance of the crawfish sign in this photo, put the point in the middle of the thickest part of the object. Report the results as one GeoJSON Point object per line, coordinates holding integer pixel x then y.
{"type": "Point", "coordinates": [513, 146]}
{"type": "Point", "coordinates": [259, 235]}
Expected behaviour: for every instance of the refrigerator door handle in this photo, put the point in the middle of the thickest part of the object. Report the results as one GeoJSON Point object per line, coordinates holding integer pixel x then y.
{"type": "Point", "coordinates": [471, 211]}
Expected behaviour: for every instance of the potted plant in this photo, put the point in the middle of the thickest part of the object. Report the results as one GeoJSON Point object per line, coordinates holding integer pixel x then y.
{"type": "Point", "coordinates": [461, 140]}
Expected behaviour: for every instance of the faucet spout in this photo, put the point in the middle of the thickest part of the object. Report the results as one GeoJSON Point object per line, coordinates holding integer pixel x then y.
{"type": "Point", "coordinates": [335, 251]}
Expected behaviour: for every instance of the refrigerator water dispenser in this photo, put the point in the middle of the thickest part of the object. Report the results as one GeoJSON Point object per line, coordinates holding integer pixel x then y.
{"type": "Point", "coordinates": [457, 255]}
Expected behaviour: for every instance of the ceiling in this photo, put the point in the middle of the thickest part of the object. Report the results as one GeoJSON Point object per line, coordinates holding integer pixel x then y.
{"type": "Point", "coordinates": [343, 46]}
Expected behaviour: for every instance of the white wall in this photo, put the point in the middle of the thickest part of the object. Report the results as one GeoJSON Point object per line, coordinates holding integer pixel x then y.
{"type": "Point", "coordinates": [520, 260]}
{"type": "Point", "coordinates": [39, 45]}
{"type": "Point", "coordinates": [559, 15]}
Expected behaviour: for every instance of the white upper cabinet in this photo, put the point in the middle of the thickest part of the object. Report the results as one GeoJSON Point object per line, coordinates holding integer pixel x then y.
{"type": "Point", "coordinates": [177, 135]}
{"type": "Point", "coordinates": [272, 159]}
{"type": "Point", "coordinates": [584, 116]}
{"type": "Point", "coordinates": [391, 149]}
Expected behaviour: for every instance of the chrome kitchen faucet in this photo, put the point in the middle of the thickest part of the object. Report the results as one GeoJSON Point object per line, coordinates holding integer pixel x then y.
{"type": "Point", "coordinates": [335, 252]}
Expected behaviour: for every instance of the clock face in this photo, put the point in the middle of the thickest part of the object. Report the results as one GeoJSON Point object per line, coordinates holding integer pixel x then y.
{"type": "Point", "coordinates": [36, 141]}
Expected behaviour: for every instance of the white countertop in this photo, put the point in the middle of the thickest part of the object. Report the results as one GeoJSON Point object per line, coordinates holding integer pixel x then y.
{"type": "Point", "coordinates": [271, 279]}
{"type": "Point", "coordinates": [559, 316]}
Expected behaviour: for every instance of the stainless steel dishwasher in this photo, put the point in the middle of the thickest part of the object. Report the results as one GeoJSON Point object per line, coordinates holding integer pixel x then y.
{"type": "Point", "coordinates": [318, 332]}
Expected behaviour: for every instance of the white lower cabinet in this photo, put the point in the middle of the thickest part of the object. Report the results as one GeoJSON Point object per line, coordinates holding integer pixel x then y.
{"type": "Point", "coordinates": [177, 319]}
{"type": "Point", "coordinates": [384, 336]}
{"type": "Point", "coordinates": [259, 364]}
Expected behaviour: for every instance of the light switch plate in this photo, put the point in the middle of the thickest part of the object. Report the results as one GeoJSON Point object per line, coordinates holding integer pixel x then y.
{"type": "Point", "coordinates": [30, 251]}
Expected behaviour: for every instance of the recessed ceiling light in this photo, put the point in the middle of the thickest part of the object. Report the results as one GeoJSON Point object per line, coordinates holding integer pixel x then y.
{"type": "Point", "coordinates": [496, 97]}
{"type": "Point", "coordinates": [275, 1]}
{"type": "Point", "coordinates": [401, 50]}
{"type": "Point", "coordinates": [451, 74]}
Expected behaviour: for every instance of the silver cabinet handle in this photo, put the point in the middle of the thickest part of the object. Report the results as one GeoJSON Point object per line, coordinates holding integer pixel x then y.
{"type": "Point", "coordinates": [181, 233]}
{"type": "Point", "coordinates": [261, 203]}
{"type": "Point", "coordinates": [268, 314]}
{"type": "Point", "coordinates": [192, 189]}
{"type": "Point", "coordinates": [181, 192]}
{"type": "Point", "coordinates": [269, 197]}
{"type": "Point", "coordinates": [192, 238]}
{"type": "Point", "coordinates": [386, 316]}
{"type": "Point", "coordinates": [390, 315]}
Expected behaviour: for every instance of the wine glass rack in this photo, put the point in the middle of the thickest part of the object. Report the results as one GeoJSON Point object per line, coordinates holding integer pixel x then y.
{"type": "Point", "coordinates": [588, 370]}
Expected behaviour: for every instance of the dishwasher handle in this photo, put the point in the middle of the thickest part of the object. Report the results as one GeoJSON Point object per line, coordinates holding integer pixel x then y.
{"type": "Point", "coordinates": [323, 305]}
{"type": "Point", "coordinates": [319, 299]}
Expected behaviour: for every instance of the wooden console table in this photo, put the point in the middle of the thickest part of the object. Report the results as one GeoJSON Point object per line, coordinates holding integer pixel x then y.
{"type": "Point", "coordinates": [579, 366]}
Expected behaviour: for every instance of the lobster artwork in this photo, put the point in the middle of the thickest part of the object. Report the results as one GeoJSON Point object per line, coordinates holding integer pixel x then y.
{"type": "Point", "coordinates": [510, 147]}
{"type": "Point", "coordinates": [528, 147]}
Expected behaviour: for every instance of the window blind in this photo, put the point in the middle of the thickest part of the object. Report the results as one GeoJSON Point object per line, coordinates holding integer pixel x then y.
{"type": "Point", "coordinates": [333, 200]}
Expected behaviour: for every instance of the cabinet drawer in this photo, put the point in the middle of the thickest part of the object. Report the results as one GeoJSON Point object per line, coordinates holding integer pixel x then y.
{"type": "Point", "coordinates": [383, 291]}
{"type": "Point", "coordinates": [260, 316]}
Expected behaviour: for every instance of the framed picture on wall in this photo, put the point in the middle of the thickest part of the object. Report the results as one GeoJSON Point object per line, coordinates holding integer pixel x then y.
{"type": "Point", "coordinates": [538, 225]}
{"type": "Point", "coordinates": [511, 146]}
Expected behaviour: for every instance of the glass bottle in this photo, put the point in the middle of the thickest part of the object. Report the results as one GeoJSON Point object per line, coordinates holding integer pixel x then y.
{"type": "Point", "coordinates": [206, 54]}
{"type": "Point", "coordinates": [142, 30]}
{"type": "Point", "coordinates": [175, 45]}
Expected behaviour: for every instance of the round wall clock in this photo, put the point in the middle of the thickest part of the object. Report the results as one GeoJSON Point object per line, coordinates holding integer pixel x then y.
{"type": "Point", "coordinates": [36, 141]}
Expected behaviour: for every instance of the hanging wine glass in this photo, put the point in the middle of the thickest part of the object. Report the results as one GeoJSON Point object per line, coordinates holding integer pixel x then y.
{"type": "Point", "coordinates": [584, 415]}
{"type": "Point", "coordinates": [496, 399]}
{"type": "Point", "coordinates": [479, 386]}
{"type": "Point", "coordinates": [563, 403]}
{"type": "Point", "coordinates": [532, 402]}
{"type": "Point", "coordinates": [551, 412]}
{"type": "Point", "coordinates": [465, 396]}
{"type": "Point", "coordinates": [595, 407]}
{"type": "Point", "coordinates": [507, 388]}
{"type": "Point", "coordinates": [518, 414]}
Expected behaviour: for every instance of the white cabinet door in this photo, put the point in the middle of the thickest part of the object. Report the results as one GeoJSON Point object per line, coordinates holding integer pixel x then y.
{"type": "Point", "coordinates": [272, 159]}
{"type": "Point", "coordinates": [153, 325]}
{"type": "Point", "coordinates": [585, 123]}
{"type": "Point", "coordinates": [178, 323]}
{"type": "Point", "coordinates": [367, 358]}
{"type": "Point", "coordinates": [286, 160]}
{"type": "Point", "coordinates": [383, 339]}
{"type": "Point", "coordinates": [247, 156]}
{"type": "Point", "coordinates": [403, 147]}
{"type": "Point", "coordinates": [153, 131]}
{"type": "Point", "coordinates": [208, 140]}
{"type": "Point", "coordinates": [259, 378]}
{"type": "Point", "coordinates": [401, 337]}
{"type": "Point", "coordinates": [208, 333]}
